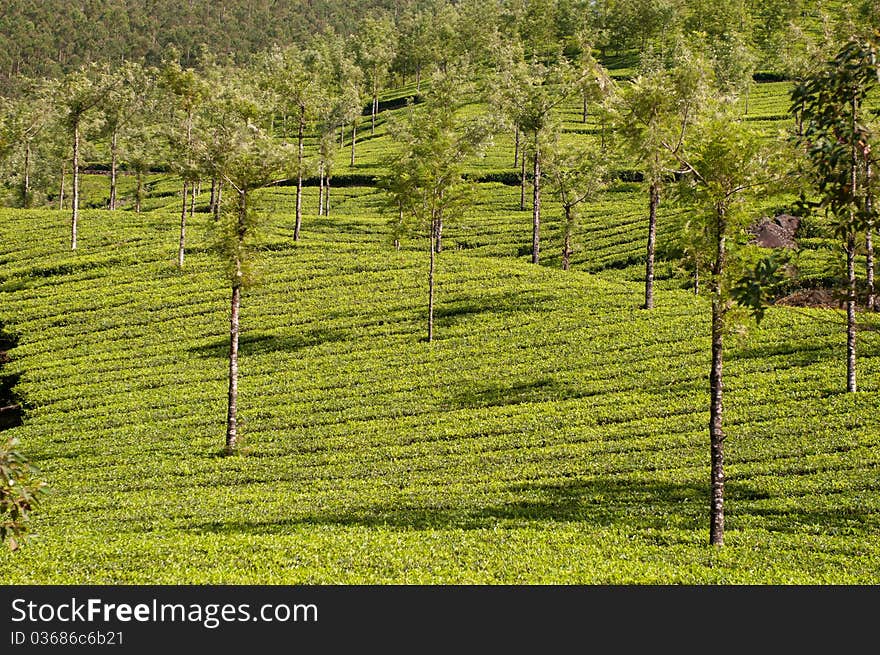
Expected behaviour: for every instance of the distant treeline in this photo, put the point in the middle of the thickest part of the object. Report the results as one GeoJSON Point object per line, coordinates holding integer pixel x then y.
{"type": "Point", "coordinates": [47, 38]}
{"type": "Point", "coordinates": [50, 37]}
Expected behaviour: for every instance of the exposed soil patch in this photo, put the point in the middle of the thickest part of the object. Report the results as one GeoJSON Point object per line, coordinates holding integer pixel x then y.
{"type": "Point", "coordinates": [822, 298]}
{"type": "Point", "coordinates": [776, 232]}
{"type": "Point", "coordinates": [10, 409]}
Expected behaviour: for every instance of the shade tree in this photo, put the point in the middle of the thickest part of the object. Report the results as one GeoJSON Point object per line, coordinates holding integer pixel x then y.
{"type": "Point", "coordinates": [725, 163]}
{"type": "Point", "coordinates": [186, 90]}
{"type": "Point", "coordinates": [840, 155]}
{"type": "Point", "coordinates": [375, 45]}
{"type": "Point", "coordinates": [653, 116]}
{"type": "Point", "coordinates": [79, 93]}
{"type": "Point", "coordinates": [246, 159]}
{"type": "Point", "coordinates": [575, 176]}
{"type": "Point", "coordinates": [529, 93]}
{"type": "Point", "coordinates": [426, 174]}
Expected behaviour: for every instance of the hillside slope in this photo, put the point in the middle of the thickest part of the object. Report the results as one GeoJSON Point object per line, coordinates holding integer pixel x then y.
{"type": "Point", "coordinates": [554, 432]}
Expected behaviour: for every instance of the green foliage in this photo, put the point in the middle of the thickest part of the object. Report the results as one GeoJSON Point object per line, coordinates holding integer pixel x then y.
{"type": "Point", "coordinates": [837, 139]}
{"type": "Point", "coordinates": [20, 492]}
{"type": "Point", "coordinates": [426, 177]}
{"type": "Point", "coordinates": [655, 112]}
{"type": "Point", "coordinates": [755, 289]}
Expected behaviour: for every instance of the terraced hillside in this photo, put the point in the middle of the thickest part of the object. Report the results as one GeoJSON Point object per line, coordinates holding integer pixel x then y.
{"type": "Point", "coordinates": [553, 432]}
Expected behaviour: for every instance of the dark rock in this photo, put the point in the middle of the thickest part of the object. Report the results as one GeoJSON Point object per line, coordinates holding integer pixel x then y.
{"type": "Point", "coordinates": [776, 232]}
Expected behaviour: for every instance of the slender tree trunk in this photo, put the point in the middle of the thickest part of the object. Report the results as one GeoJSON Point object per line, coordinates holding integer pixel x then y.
{"type": "Point", "coordinates": [439, 232]}
{"type": "Point", "coordinates": [522, 182]}
{"type": "Point", "coordinates": [716, 388]}
{"type": "Point", "coordinates": [851, 311]}
{"type": "Point", "coordinates": [654, 200]}
{"type": "Point", "coordinates": [536, 204]}
{"type": "Point", "coordinates": [354, 131]}
{"type": "Point", "coordinates": [213, 195]}
{"type": "Point", "coordinates": [438, 239]}
{"type": "Point", "coordinates": [114, 157]}
{"type": "Point", "coordinates": [851, 267]}
{"type": "Point", "coordinates": [182, 243]}
{"type": "Point", "coordinates": [373, 113]}
{"type": "Point", "coordinates": [61, 189]}
{"type": "Point", "coordinates": [232, 410]}
{"type": "Point", "coordinates": [516, 147]}
{"type": "Point", "coordinates": [26, 187]}
{"type": "Point", "coordinates": [321, 188]}
{"type": "Point", "coordinates": [192, 200]}
{"type": "Point", "coordinates": [869, 241]}
{"type": "Point", "coordinates": [696, 279]}
{"type": "Point", "coordinates": [139, 192]}
{"type": "Point", "coordinates": [871, 302]}
{"type": "Point", "coordinates": [218, 199]}
{"type": "Point", "coordinates": [299, 171]}
{"type": "Point", "coordinates": [585, 109]}
{"type": "Point", "coordinates": [75, 200]}
{"type": "Point", "coordinates": [566, 243]}
{"type": "Point", "coordinates": [431, 282]}
{"type": "Point", "coordinates": [327, 196]}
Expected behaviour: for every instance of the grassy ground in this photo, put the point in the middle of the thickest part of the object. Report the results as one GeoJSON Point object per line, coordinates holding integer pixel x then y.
{"type": "Point", "coordinates": [553, 433]}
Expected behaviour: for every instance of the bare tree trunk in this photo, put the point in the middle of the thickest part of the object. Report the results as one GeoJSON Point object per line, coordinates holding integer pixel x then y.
{"type": "Point", "coordinates": [299, 172]}
{"type": "Point", "coordinates": [26, 187]}
{"type": "Point", "coordinates": [536, 204]}
{"type": "Point", "coordinates": [851, 311]}
{"type": "Point", "coordinates": [75, 200]}
{"type": "Point", "coordinates": [851, 268]}
{"type": "Point", "coordinates": [327, 196]}
{"type": "Point", "coordinates": [431, 282]}
{"type": "Point", "coordinates": [373, 113]}
{"type": "Point", "coordinates": [213, 195]}
{"type": "Point", "coordinates": [585, 109]}
{"type": "Point", "coordinates": [716, 389]}
{"type": "Point", "coordinates": [114, 157]}
{"type": "Point", "coordinates": [871, 302]}
{"type": "Point", "coordinates": [566, 243]}
{"type": "Point", "coordinates": [139, 192]}
{"type": "Point", "coordinates": [439, 232]}
{"type": "Point", "coordinates": [654, 200]}
{"type": "Point", "coordinates": [516, 146]}
{"type": "Point", "coordinates": [218, 199]}
{"type": "Point", "coordinates": [321, 188]}
{"type": "Point", "coordinates": [61, 189]}
{"type": "Point", "coordinates": [182, 243]}
{"type": "Point", "coordinates": [354, 131]}
{"type": "Point", "coordinates": [232, 409]}
{"type": "Point", "coordinates": [696, 279]}
{"type": "Point", "coordinates": [192, 200]}
{"type": "Point", "coordinates": [522, 182]}
{"type": "Point", "coordinates": [869, 241]}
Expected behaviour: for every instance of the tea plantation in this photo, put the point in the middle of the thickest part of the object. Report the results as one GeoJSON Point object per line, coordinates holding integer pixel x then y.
{"type": "Point", "coordinates": [553, 432]}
